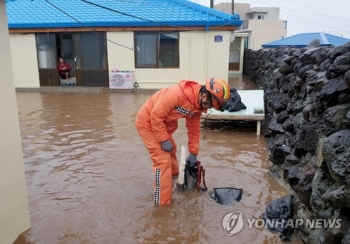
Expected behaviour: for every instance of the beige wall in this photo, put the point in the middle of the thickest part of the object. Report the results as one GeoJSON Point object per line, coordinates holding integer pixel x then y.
{"type": "Point", "coordinates": [200, 57]}
{"type": "Point", "coordinates": [24, 60]}
{"type": "Point", "coordinates": [268, 12]}
{"type": "Point", "coordinates": [264, 31]}
{"type": "Point", "coordinates": [240, 8]}
{"type": "Point", "coordinates": [218, 57]}
{"type": "Point", "coordinates": [14, 217]}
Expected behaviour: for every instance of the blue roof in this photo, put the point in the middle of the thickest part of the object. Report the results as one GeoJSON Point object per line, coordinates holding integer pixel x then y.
{"type": "Point", "coordinates": [114, 13]}
{"type": "Point", "coordinates": [302, 40]}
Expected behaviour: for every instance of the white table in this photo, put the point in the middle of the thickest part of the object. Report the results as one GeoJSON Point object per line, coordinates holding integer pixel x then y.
{"type": "Point", "coordinates": [252, 99]}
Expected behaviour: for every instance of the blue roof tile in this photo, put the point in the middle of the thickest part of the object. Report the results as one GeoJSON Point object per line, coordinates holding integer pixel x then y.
{"type": "Point", "coordinates": [41, 14]}
{"type": "Point", "coordinates": [302, 40]}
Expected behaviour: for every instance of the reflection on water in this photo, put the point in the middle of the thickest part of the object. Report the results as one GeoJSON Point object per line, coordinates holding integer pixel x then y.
{"type": "Point", "coordinates": [241, 83]}
{"type": "Point", "coordinates": [89, 176]}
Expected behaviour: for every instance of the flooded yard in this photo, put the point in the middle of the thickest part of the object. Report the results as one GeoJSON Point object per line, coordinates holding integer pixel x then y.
{"type": "Point", "coordinates": [89, 176]}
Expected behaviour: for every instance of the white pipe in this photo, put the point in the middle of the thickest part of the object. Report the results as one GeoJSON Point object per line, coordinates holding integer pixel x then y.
{"type": "Point", "coordinates": [206, 56]}
{"type": "Point", "coordinates": [181, 178]}
{"type": "Point", "coordinates": [189, 57]}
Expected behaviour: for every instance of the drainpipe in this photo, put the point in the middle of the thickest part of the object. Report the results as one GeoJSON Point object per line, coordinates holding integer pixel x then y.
{"type": "Point", "coordinates": [207, 25]}
{"type": "Point", "coordinates": [211, 3]}
{"type": "Point", "coordinates": [233, 7]}
{"type": "Point", "coordinates": [189, 57]}
{"type": "Point", "coordinates": [241, 58]}
{"type": "Point", "coordinates": [206, 56]}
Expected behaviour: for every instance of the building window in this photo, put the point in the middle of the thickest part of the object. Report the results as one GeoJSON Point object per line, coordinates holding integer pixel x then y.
{"type": "Point", "coordinates": [261, 16]}
{"type": "Point", "coordinates": [157, 50]}
{"type": "Point", "coordinates": [246, 42]}
{"type": "Point", "coordinates": [284, 24]}
{"type": "Point", "coordinates": [46, 51]}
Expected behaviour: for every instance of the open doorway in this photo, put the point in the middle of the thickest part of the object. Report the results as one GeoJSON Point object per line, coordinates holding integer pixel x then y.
{"type": "Point", "coordinates": [86, 54]}
{"type": "Point", "coordinates": [235, 54]}
{"type": "Point", "coordinates": [66, 49]}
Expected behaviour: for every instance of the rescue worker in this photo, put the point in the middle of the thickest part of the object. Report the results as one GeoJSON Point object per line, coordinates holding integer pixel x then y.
{"type": "Point", "coordinates": [157, 120]}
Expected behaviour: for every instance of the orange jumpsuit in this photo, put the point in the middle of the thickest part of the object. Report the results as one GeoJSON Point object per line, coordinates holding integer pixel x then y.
{"type": "Point", "coordinates": [156, 121]}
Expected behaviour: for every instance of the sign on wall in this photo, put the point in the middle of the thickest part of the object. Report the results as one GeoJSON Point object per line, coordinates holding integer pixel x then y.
{"type": "Point", "coordinates": [218, 38]}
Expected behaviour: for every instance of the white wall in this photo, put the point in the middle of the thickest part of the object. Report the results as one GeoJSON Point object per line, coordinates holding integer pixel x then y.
{"type": "Point", "coordinates": [24, 60]}
{"type": "Point", "coordinates": [14, 217]}
{"type": "Point", "coordinates": [200, 57]}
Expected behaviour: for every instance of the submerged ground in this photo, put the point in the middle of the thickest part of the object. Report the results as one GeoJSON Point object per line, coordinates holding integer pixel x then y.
{"type": "Point", "coordinates": [89, 176]}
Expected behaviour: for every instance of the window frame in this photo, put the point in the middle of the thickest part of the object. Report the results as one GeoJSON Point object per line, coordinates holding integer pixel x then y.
{"type": "Point", "coordinates": [157, 50]}
{"type": "Point", "coordinates": [284, 25]}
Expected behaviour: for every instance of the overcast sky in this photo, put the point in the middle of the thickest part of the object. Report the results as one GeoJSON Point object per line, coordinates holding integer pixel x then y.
{"type": "Point", "coordinates": [305, 16]}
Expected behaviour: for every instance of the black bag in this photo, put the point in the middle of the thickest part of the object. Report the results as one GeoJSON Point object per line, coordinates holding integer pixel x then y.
{"type": "Point", "coordinates": [226, 195]}
{"type": "Point", "coordinates": [234, 103]}
{"type": "Point", "coordinates": [281, 210]}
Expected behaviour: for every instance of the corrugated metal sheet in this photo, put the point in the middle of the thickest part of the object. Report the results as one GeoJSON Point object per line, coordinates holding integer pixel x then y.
{"type": "Point", "coordinates": [302, 40]}
{"type": "Point", "coordinates": [44, 13]}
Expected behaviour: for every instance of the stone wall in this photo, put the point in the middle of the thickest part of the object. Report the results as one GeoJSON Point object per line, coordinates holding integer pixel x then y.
{"type": "Point", "coordinates": [307, 105]}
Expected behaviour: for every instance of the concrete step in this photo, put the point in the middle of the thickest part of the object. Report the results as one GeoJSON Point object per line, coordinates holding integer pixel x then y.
{"type": "Point", "coordinates": [72, 81]}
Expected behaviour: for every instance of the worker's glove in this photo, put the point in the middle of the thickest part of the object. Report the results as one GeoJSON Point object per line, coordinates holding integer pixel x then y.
{"type": "Point", "coordinates": [167, 146]}
{"type": "Point", "coordinates": [191, 159]}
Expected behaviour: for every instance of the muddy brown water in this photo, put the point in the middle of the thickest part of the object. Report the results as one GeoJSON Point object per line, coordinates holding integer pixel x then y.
{"type": "Point", "coordinates": [89, 176]}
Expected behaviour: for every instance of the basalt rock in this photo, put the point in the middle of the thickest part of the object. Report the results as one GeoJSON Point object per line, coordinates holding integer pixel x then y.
{"type": "Point", "coordinates": [337, 196]}
{"type": "Point", "coordinates": [314, 55]}
{"type": "Point", "coordinates": [304, 188]}
{"type": "Point", "coordinates": [336, 233]}
{"type": "Point", "coordinates": [285, 69]}
{"type": "Point", "coordinates": [346, 78]}
{"type": "Point", "coordinates": [282, 117]}
{"type": "Point", "coordinates": [335, 153]}
{"type": "Point", "coordinates": [304, 214]}
{"type": "Point", "coordinates": [279, 102]}
{"type": "Point", "coordinates": [294, 124]}
{"type": "Point", "coordinates": [335, 117]}
{"type": "Point", "coordinates": [341, 64]}
{"type": "Point", "coordinates": [346, 238]}
{"type": "Point", "coordinates": [325, 65]}
{"type": "Point", "coordinates": [303, 70]}
{"type": "Point", "coordinates": [309, 136]}
{"type": "Point", "coordinates": [314, 43]}
{"type": "Point", "coordinates": [331, 91]}
{"type": "Point", "coordinates": [320, 184]}
{"type": "Point", "coordinates": [307, 104]}
{"type": "Point", "coordinates": [275, 127]}
{"type": "Point", "coordinates": [338, 51]}
{"type": "Point", "coordinates": [316, 237]}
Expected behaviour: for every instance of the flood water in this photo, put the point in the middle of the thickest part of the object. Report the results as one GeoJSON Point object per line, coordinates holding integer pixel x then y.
{"type": "Point", "coordinates": [89, 177]}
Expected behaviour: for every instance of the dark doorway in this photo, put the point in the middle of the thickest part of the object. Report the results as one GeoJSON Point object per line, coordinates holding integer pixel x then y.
{"type": "Point", "coordinates": [85, 52]}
